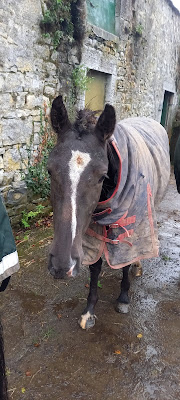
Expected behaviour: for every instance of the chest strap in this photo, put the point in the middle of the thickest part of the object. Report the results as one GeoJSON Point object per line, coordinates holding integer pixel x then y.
{"type": "Point", "coordinates": [120, 223]}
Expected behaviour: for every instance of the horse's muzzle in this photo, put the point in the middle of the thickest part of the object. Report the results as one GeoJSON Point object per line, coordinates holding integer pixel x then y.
{"type": "Point", "coordinates": [59, 272]}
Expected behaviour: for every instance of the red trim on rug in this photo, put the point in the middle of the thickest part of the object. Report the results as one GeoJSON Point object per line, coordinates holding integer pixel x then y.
{"type": "Point", "coordinates": [155, 251]}
{"type": "Point", "coordinates": [118, 266]}
{"type": "Point", "coordinates": [107, 210]}
{"type": "Point", "coordinates": [119, 174]}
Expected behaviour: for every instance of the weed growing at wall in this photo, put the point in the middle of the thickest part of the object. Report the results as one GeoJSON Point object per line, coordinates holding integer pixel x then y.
{"type": "Point", "coordinates": [27, 217]}
{"type": "Point", "coordinates": [79, 84]}
{"type": "Point", "coordinates": [36, 176]}
{"type": "Point", "coordinates": [139, 30]}
{"type": "Point", "coordinates": [57, 21]}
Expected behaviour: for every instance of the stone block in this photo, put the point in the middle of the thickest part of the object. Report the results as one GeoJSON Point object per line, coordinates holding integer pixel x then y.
{"type": "Point", "coordinates": [12, 160]}
{"type": "Point", "coordinates": [43, 52]}
{"type": "Point", "coordinates": [37, 127]}
{"type": "Point", "coordinates": [1, 176]}
{"type": "Point", "coordinates": [34, 83]}
{"type": "Point", "coordinates": [8, 178]}
{"type": "Point", "coordinates": [16, 196]}
{"type": "Point", "coordinates": [24, 65]}
{"type": "Point", "coordinates": [33, 101]}
{"type": "Point", "coordinates": [1, 162]}
{"type": "Point", "coordinates": [24, 158]}
{"type": "Point", "coordinates": [17, 177]}
{"type": "Point", "coordinates": [51, 68]}
{"type": "Point", "coordinates": [54, 56]}
{"type": "Point", "coordinates": [20, 100]}
{"type": "Point", "coordinates": [5, 101]}
{"type": "Point", "coordinates": [12, 82]}
{"type": "Point", "coordinates": [16, 131]}
{"type": "Point", "coordinates": [49, 91]}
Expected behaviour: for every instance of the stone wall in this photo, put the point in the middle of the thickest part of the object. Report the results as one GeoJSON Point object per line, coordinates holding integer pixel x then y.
{"type": "Point", "coordinates": [28, 78]}
{"type": "Point", "coordinates": [140, 60]}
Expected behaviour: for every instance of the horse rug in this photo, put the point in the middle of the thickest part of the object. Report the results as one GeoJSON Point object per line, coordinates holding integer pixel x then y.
{"type": "Point", "coordinates": [124, 225]}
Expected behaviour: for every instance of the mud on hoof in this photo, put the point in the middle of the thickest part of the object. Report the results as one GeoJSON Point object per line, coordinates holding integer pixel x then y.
{"type": "Point", "coordinates": [87, 320]}
{"type": "Point", "coordinates": [122, 308]}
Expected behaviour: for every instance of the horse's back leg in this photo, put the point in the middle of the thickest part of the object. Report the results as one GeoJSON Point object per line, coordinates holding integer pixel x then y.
{"type": "Point", "coordinates": [122, 304]}
{"type": "Point", "coordinates": [87, 319]}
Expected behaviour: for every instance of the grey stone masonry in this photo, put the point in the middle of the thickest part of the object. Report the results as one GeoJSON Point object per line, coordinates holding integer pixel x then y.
{"type": "Point", "coordinates": [28, 78]}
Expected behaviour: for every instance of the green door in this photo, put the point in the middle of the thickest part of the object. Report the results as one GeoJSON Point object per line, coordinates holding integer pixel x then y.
{"type": "Point", "coordinates": [102, 13]}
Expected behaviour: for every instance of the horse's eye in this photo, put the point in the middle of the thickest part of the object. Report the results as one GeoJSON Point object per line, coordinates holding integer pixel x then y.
{"type": "Point", "coordinates": [102, 178]}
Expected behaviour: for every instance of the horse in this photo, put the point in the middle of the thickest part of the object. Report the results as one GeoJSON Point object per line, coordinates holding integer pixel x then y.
{"type": "Point", "coordinates": [106, 179]}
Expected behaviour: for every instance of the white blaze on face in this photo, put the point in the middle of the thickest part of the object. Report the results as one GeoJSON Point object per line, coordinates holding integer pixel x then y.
{"type": "Point", "coordinates": [77, 165]}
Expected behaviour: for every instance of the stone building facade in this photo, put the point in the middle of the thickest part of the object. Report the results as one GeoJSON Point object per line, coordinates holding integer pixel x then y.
{"type": "Point", "coordinates": [138, 62]}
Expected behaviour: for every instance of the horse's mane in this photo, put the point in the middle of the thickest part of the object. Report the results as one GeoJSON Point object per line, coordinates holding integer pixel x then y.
{"type": "Point", "coordinates": [85, 121]}
{"type": "Point", "coordinates": [84, 124]}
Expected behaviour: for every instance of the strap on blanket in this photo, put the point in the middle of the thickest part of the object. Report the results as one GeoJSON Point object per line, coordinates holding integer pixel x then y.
{"type": "Point", "coordinates": [120, 223]}
{"type": "Point", "coordinates": [105, 239]}
{"type": "Point", "coordinates": [123, 221]}
{"type": "Point", "coordinates": [99, 215]}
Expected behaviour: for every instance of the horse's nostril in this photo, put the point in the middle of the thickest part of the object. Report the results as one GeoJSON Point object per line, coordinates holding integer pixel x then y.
{"type": "Point", "coordinates": [52, 266]}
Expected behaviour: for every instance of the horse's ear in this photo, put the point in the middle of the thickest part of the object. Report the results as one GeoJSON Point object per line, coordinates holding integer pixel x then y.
{"type": "Point", "coordinates": [59, 117]}
{"type": "Point", "coordinates": [106, 123]}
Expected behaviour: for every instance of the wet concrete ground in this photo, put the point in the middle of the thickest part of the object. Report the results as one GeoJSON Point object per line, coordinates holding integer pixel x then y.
{"type": "Point", "coordinates": [49, 357]}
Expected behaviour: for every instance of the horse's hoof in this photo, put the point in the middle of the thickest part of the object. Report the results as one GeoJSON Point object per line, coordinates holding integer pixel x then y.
{"type": "Point", "coordinates": [122, 308]}
{"type": "Point", "coordinates": [137, 268]}
{"type": "Point", "coordinates": [87, 321]}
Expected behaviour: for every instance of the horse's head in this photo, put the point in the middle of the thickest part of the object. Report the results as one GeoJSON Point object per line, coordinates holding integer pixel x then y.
{"type": "Point", "coordinates": [77, 165]}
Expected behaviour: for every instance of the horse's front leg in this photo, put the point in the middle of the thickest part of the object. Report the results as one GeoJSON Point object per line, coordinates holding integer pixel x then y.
{"type": "Point", "coordinates": [122, 304]}
{"type": "Point", "coordinates": [87, 319]}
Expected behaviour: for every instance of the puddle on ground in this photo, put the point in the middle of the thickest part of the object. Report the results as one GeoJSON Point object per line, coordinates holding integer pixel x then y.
{"type": "Point", "coordinates": [108, 361]}
{"type": "Point", "coordinates": [30, 301]}
{"type": "Point", "coordinates": [68, 304]}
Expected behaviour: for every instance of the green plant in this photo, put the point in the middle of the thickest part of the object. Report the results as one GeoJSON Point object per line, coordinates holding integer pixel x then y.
{"type": "Point", "coordinates": [26, 217]}
{"type": "Point", "coordinates": [36, 174]}
{"type": "Point", "coordinates": [57, 20]}
{"type": "Point", "coordinates": [79, 78]}
{"type": "Point", "coordinates": [79, 83]}
{"type": "Point", "coordinates": [165, 257]}
{"type": "Point", "coordinates": [49, 333]}
{"type": "Point", "coordinates": [139, 30]}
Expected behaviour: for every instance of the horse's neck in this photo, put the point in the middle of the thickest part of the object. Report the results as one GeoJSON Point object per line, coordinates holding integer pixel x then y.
{"type": "Point", "coordinates": [110, 183]}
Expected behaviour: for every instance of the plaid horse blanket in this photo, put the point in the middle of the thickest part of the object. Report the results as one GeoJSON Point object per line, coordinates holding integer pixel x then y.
{"type": "Point", "coordinates": [124, 225]}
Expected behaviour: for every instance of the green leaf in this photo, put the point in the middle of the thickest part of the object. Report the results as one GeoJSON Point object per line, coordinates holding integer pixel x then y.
{"type": "Point", "coordinates": [26, 237]}
{"type": "Point", "coordinates": [99, 285]}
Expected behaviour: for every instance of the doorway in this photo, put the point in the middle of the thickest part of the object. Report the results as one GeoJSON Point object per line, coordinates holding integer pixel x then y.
{"type": "Point", "coordinates": [96, 90]}
{"type": "Point", "coordinates": [167, 102]}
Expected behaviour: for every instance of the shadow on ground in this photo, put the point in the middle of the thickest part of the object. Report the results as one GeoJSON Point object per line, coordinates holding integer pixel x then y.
{"type": "Point", "coordinates": [49, 357]}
